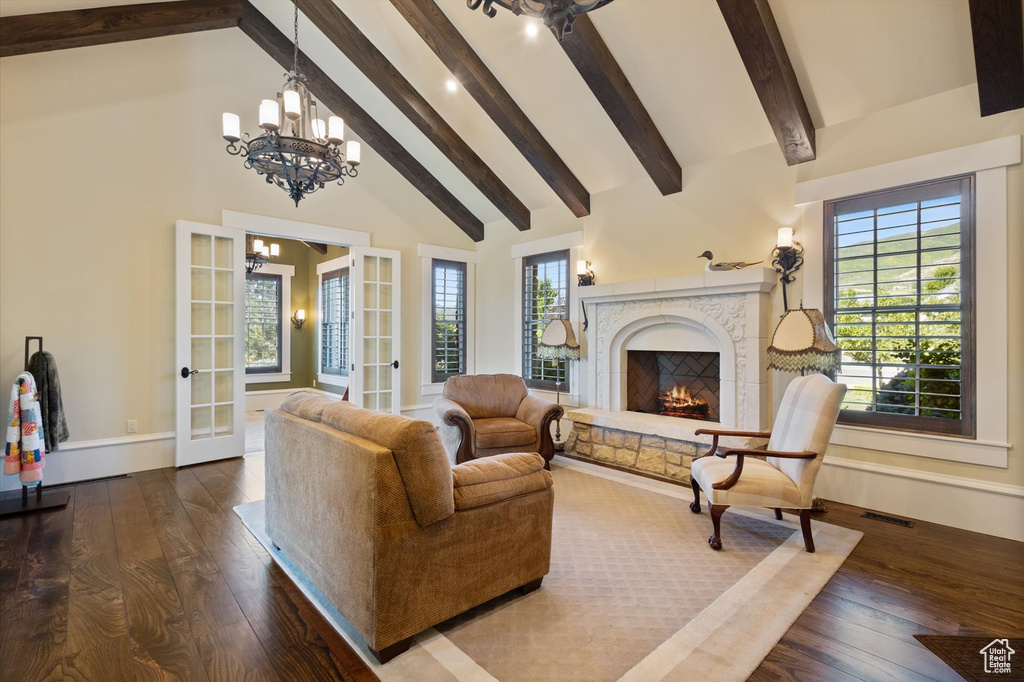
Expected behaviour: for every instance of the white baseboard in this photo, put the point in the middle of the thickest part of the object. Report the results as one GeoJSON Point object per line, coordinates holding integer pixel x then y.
{"type": "Point", "coordinates": [425, 412]}
{"type": "Point", "coordinates": [979, 506]}
{"type": "Point", "coordinates": [268, 400]}
{"type": "Point", "coordinates": [83, 460]}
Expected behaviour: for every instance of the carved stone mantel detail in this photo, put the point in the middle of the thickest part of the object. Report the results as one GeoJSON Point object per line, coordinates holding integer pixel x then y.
{"type": "Point", "coordinates": [732, 308]}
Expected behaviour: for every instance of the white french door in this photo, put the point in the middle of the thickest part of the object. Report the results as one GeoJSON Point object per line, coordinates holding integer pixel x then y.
{"type": "Point", "coordinates": [210, 369]}
{"type": "Point", "coordinates": [376, 378]}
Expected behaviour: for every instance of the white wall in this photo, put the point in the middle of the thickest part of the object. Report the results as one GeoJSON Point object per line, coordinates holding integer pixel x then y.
{"type": "Point", "coordinates": [102, 149]}
{"type": "Point", "coordinates": [733, 207]}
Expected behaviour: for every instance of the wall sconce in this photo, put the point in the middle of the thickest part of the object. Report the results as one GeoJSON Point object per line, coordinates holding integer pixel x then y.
{"type": "Point", "coordinates": [299, 318]}
{"type": "Point", "coordinates": [787, 257]}
{"type": "Point", "coordinates": [584, 274]}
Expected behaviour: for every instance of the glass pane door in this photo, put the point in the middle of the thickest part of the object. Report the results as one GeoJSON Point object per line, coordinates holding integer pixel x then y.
{"type": "Point", "coordinates": [210, 369]}
{"type": "Point", "coordinates": [376, 282]}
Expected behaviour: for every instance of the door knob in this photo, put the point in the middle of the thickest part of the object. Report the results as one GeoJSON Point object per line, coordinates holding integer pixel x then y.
{"type": "Point", "coordinates": [395, 364]}
{"type": "Point", "coordinates": [185, 373]}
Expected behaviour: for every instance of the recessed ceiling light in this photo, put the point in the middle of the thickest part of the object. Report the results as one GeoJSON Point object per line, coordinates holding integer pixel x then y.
{"type": "Point", "coordinates": [532, 29]}
{"type": "Point", "coordinates": [451, 85]}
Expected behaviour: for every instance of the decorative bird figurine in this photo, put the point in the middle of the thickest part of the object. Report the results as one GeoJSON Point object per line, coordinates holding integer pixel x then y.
{"type": "Point", "coordinates": [711, 266]}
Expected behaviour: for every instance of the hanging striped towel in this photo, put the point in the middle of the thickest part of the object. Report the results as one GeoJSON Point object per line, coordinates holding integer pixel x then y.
{"type": "Point", "coordinates": [26, 445]}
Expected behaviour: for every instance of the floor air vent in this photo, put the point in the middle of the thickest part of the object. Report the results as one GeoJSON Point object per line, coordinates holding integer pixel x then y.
{"type": "Point", "coordinates": [888, 519]}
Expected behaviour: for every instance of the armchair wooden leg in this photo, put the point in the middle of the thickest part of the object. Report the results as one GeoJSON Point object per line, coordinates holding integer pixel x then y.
{"type": "Point", "coordinates": [389, 652]}
{"type": "Point", "coordinates": [695, 505]}
{"type": "Point", "coordinates": [716, 516]}
{"type": "Point", "coordinates": [805, 526]}
{"type": "Point", "coordinates": [778, 514]}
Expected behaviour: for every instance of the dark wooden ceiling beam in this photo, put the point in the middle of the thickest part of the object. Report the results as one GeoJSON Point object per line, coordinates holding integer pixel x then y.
{"type": "Point", "coordinates": [592, 58]}
{"type": "Point", "coordinates": [340, 30]}
{"type": "Point", "coordinates": [28, 33]}
{"type": "Point", "coordinates": [455, 52]}
{"type": "Point", "coordinates": [277, 45]}
{"type": "Point", "coordinates": [316, 246]}
{"type": "Point", "coordinates": [759, 42]}
{"type": "Point", "coordinates": [998, 30]}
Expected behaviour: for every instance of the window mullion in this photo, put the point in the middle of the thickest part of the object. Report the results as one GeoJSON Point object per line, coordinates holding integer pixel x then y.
{"type": "Point", "coordinates": [877, 374]}
{"type": "Point", "coordinates": [917, 317]}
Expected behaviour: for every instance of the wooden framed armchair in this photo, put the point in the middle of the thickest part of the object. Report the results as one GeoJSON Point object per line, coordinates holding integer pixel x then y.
{"type": "Point", "coordinates": [796, 446]}
{"type": "Point", "coordinates": [493, 414]}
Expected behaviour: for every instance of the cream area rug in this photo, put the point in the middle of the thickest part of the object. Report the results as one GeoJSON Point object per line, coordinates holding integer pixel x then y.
{"type": "Point", "coordinates": [634, 592]}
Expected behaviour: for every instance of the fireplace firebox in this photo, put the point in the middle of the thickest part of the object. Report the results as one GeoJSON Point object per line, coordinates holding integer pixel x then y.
{"type": "Point", "coordinates": [673, 383]}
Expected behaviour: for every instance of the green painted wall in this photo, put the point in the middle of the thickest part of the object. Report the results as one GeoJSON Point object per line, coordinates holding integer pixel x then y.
{"type": "Point", "coordinates": [303, 295]}
{"type": "Point", "coordinates": [311, 285]}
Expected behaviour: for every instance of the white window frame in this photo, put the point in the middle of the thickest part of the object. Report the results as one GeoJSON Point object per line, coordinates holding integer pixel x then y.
{"type": "Point", "coordinates": [286, 272]}
{"type": "Point", "coordinates": [321, 268]}
{"type": "Point", "coordinates": [988, 161]}
{"type": "Point", "coordinates": [573, 242]}
{"type": "Point", "coordinates": [427, 254]}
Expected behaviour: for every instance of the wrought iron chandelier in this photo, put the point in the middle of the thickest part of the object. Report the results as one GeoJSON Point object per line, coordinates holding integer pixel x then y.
{"type": "Point", "coordinates": [258, 254]}
{"type": "Point", "coordinates": [556, 14]}
{"type": "Point", "coordinates": [297, 151]}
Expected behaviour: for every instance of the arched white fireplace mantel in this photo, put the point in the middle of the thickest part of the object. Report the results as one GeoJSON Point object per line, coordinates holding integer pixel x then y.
{"type": "Point", "coordinates": [732, 308]}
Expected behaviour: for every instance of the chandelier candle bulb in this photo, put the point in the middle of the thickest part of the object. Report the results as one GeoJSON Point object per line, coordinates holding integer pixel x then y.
{"type": "Point", "coordinates": [257, 245]}
{"type": "Point", "coordinates": [275, 250]}
{"type": "Point", "coordinates": [292, 104]}
{"type": "Point", "coordinates": [265, 251]}
{"type": "Point", "coordinates": [232, 127]}
{"type": "Point", "coordinates": [270, 118]}
{"type": "Point", "coordinates": [335, 130]}
{"type": "Point", "coordinates": [581, 267]}
{"type": "Point", "coordinates": [785, 240]}
{"type": "Point", "coordinates": [352, 153]}
{"type": "Point", "coordinates": [319, 129]}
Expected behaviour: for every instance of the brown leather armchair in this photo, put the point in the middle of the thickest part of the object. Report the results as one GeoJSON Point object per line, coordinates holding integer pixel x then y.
{"type": "Point", "coordinates": [491, 414]}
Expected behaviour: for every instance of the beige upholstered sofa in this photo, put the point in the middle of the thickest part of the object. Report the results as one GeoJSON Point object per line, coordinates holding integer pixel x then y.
{"type": "Point", "coordinates": [490, 414]}
{"type": "Point", "coordinates": [369, 508]}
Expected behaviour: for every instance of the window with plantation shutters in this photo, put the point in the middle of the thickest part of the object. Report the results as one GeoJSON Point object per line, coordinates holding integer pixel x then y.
{"type": "Point", "coordinates": [545, 297]}
{"type": "Point", "coordinates": [262, 324]}
{"type": "Point", "coordinates": [448, 293]}
{"type": "Point", "coordinates": [335, 319]}
{"type": "Point", "coordinates": [899, 285]}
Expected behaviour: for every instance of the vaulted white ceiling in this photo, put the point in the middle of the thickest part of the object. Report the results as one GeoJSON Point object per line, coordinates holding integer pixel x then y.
{"type": "Point", "coordinates": [851, 57]}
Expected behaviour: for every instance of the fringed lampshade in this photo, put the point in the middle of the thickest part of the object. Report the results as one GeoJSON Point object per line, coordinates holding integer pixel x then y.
{"type": "Point", "coordinates": [559, 342]}
{"type": "Point", "coordinates": [802, 342]}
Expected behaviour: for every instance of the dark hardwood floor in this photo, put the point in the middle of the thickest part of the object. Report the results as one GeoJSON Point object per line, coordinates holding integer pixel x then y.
{"type": "Point", "coordinates": [154, 577]}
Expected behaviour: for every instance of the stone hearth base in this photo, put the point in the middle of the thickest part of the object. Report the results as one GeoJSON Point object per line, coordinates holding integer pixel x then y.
{"type": "Point", "coordinates": [655, 455]}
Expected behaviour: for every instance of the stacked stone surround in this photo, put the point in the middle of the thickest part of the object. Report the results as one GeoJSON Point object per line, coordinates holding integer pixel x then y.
{"type": "Point", "coordinates": [664, 457]}
{"type": "Point", "coordinates": [655, 445]}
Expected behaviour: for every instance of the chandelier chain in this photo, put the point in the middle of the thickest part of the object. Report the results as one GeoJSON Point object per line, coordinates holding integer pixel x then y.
{"type": "Point", "coordinates": [295, 53]}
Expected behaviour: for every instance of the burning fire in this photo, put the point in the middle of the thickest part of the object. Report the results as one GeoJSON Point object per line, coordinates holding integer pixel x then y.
{"type": "Point", "coordinates": [679, 403]}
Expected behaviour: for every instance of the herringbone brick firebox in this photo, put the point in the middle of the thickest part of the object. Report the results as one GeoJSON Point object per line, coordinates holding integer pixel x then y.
{"type": "Point", "coordinates": [673, 383]}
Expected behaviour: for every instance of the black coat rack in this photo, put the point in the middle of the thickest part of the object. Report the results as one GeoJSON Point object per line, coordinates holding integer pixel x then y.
{"type": "Point", "coordinates": [51, 499]}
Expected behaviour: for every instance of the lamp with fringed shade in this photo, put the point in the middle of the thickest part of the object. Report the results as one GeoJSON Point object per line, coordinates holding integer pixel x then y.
{"type": "Point", "coordinates": [558, 342]}
{"type": "Point", "coordinates": [802, 343]}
